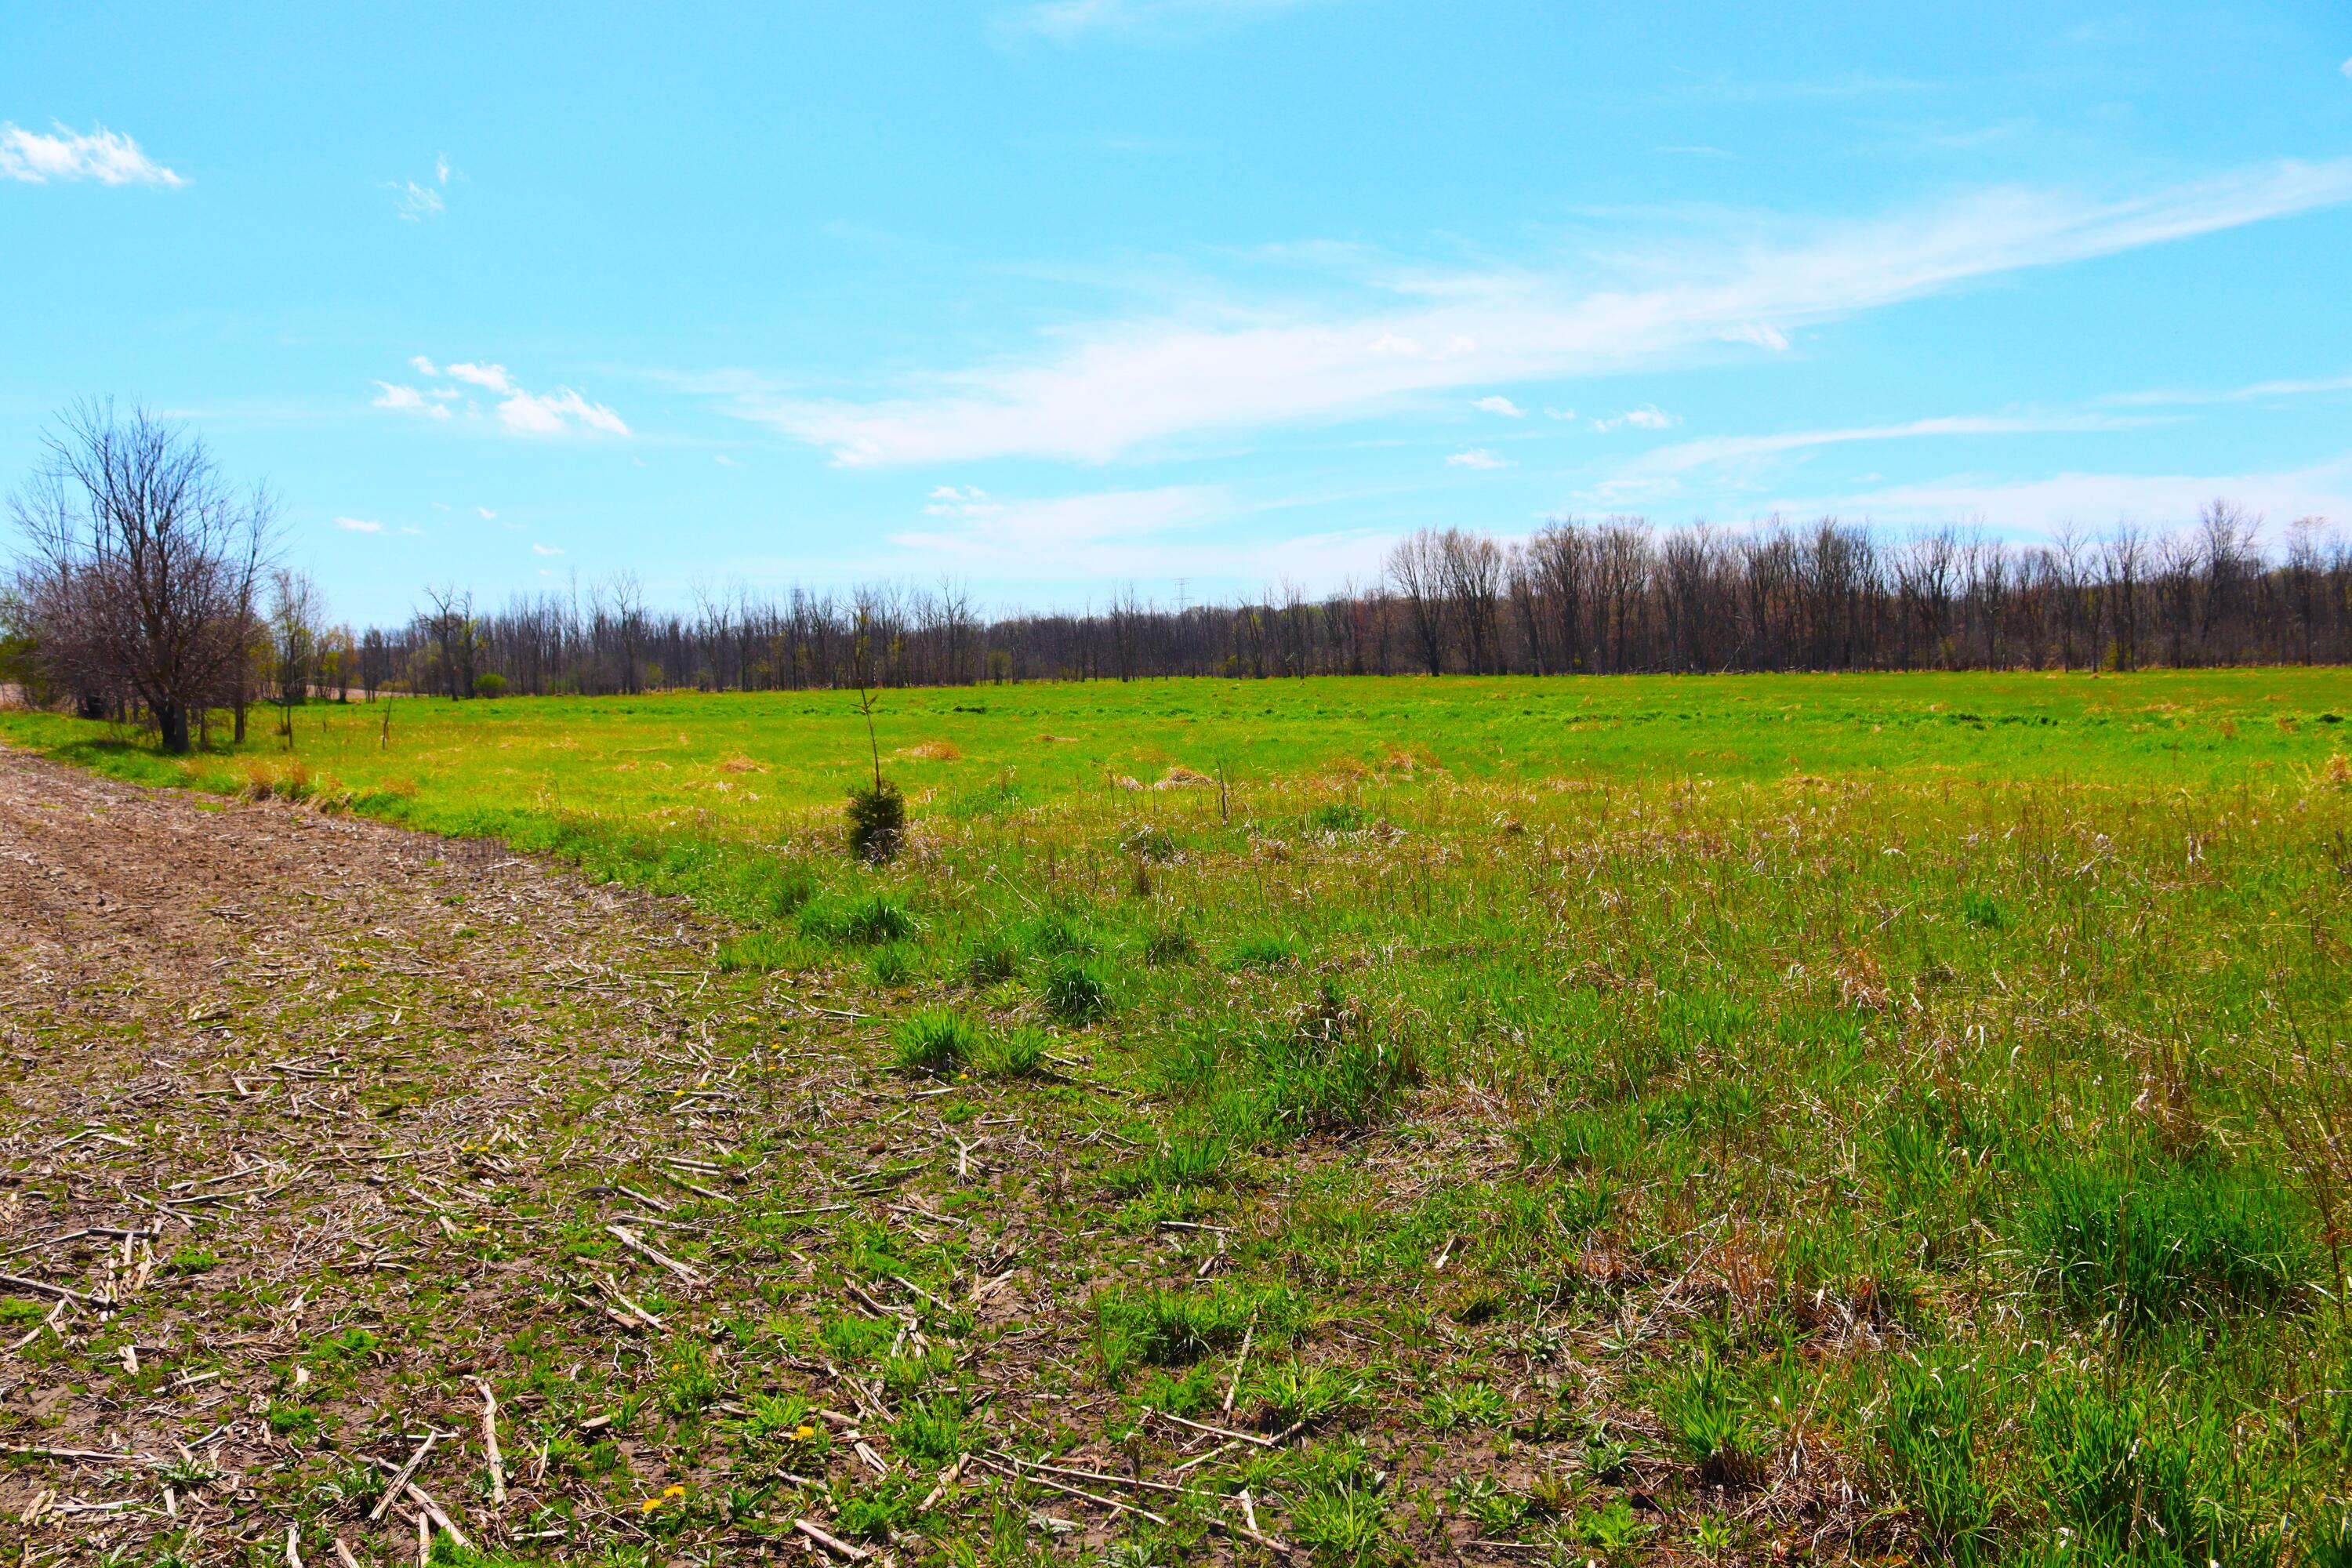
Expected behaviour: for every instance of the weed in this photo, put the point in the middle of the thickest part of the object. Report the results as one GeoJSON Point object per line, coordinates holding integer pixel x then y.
{"type": "Point", "coordinates": [870, 921]}
{"type": "Point", "coordinates": [1709, 1419]}
{"type": "Point", "coordinates": [1076, 990]}
{"type": "Point", "coordinates": [1009, 1054]}
{"type": "Point", "coordinates": [2151, 1241]}
{"type": "Point", "coordinates": [990, 961]}
{"type": "Point", "coordinates": [1183, 1162]}
{"type": "Point", "coordinates": [938, 1043]}
{"type": "Point", "coordinates": [1174, 1328]}
{"type": "Point", "coordinates": [1936, 1424]}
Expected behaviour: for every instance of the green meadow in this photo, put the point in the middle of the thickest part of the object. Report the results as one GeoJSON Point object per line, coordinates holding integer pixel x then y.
{"type": "Point", "coordinates": [1910, 1107]}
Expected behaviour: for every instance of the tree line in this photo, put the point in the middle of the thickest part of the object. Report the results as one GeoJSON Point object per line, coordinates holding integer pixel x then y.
{"type": "Point", "coordinates": [147, 587]}
{"type": "Point", "coordinates": [1606, 597]}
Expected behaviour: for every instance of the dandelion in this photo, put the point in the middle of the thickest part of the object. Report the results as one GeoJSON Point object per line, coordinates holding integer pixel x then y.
{"type": "Point", "coordinates": [668, 1492]}
{"type": "Point", "coordinates": [802, 1434]}
{"type": "Point", "coordinates": [649, 1505]}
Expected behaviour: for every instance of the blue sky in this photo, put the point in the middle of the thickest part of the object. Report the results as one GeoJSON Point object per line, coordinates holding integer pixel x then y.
{"type": "Point", "coordinates": [1196, 295]}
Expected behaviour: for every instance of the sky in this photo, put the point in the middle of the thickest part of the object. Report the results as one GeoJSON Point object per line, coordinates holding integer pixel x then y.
{"type": "Point", "coordinates": [1054, 299]}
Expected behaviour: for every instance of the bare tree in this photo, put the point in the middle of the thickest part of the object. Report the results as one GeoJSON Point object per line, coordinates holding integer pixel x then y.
{"type": "Point", "coordinates": [139, 575]}
{"type": "Point", "coordinates": [1417, 567]}
{"type": "Point", "coordinates": [297, 638]}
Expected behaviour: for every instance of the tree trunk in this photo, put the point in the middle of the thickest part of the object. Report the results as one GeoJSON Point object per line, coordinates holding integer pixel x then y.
{"type": "Point", "coordinates": [173, 721]}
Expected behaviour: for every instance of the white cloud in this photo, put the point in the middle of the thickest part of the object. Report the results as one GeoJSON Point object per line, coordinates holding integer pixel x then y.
{"type": "Point", "coordinates": [1758, 333]}
{"type": "Point", "coordinates": [414, 201]}
{"type": "Point", "coordinates": [490, 377]}
{"type": "Point", "coordinates": [546, 414]}
{"type": "Point", "coordinates": [1502, 405]}
{"type": "Point", "coordinates": [407, 400]}
{"type": "Point", "coordinates": [545, 550]}
{"type": "Point", "coordinates": [413, 533]}
{"type": "Point", "coordinates": [1649, 416]}
{"type": "Point", "coordinates": [1095, 392]}
{"type": "Point", "coordinates": [107, 156]}
{"type": "Point", "coordinates": [1477, 458]}
{"type": "Point", "coordinates": [2348, 68]}
{"type": "Point", "coordinates": [441, 168]}
{"type": "Point", "coordinates": [358, 525]}
{"type": "Point", "coordinates": [1559, 413]}
{"type": "Point", "coordinates": [488, 515]}
{"type": "Point", "coordinates": [520, 411]}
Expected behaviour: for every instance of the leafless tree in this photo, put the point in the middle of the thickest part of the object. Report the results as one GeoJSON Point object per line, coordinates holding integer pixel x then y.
{"type": "Point", "coordinates": [141, 565]}
{"type": "Point", "coordinates": [1417, 567]}
{"type": "Point", "coordinates": [296, 633]}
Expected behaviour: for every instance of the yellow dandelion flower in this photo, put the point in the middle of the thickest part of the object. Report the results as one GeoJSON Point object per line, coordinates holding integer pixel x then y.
{"type": "Point", "coordinates": [802, 1433]}
{"type": "Point", "coordinates": [650, 1504]}
{"type": "Point", "coordinates": [673, 1491]}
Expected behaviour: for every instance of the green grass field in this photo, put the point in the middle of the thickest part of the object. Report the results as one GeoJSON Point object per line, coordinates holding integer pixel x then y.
{"type": "Point", "coordinates": [1912, 1101]}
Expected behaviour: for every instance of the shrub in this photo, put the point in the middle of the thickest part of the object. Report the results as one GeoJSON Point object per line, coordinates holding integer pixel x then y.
{"type": "Point", "coordinates": [490, 683]}
{"type": "Point", "coordinates": [878, 821]}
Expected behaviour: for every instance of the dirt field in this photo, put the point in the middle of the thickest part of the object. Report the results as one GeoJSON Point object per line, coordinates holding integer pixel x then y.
{"type": "Point", "coordinates": [313, 1123]}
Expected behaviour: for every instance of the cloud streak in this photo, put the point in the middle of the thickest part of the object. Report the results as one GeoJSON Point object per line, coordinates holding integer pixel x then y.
{"type": "Point", "coordinates": [1107, 390]}
{"type": "Point", "coordinates": [1067, 21]}
{"type": "Point", "coordinates": [106, 156]}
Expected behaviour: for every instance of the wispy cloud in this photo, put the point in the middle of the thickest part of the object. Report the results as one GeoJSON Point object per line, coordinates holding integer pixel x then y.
{"type": "Point", "coordinates": [1687, 455]}
{"type": "Point", "coordinates": [1477, 458]}
{"type": "Point", "coordinates": [358, 525]}
{"type": "Point", "coordinates": [2258, 392]}
{"type": "Point", "coordinates": [2156, 501]}
{"type": "Point", "coordinates": [1649, 416]}
{"type": "Point", "coordinates": [1067, 20]}
{"type": "Point", "coordinates": [1502, 405]}
{"type": "Point", "coordinates": [1102, 391]}
{"type": "Point", "coordinates": [107, 156]}
{"type": "Point", "coordinates": [517, 411]}
{"type": "Point", "coordinates": [545, 550]}
{"type": "Point", "coordinates": [1169, 532]}
{"type": "Point", "coordinates": [414, 201]}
